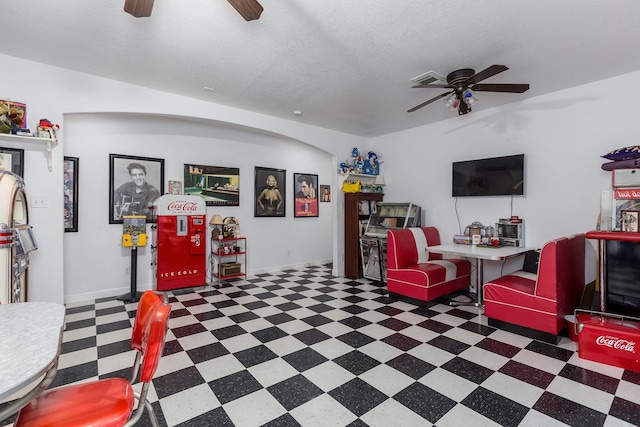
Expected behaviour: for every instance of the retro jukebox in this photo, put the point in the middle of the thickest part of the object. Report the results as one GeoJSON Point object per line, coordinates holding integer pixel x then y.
{"type": "Point", "coordinates": [16, 239]}
{"type": "Point", "coordinates": [180, 236]}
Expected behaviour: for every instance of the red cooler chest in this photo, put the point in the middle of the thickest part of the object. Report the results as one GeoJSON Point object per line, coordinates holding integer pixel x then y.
{"type": "Point", "coordinates": [609, 338]}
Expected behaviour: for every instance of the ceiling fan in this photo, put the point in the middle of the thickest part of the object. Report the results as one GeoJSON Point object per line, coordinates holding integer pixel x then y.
{"type": "Point", "coordinates": [249, 9]}
{"type": "Point", "coordinates": [464, 82]}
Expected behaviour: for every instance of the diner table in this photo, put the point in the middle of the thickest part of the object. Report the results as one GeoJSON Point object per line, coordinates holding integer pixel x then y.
{"type": "Point", "coordinates": [480, 254]}
{"type": "Point", "coordinates": [30, 342]}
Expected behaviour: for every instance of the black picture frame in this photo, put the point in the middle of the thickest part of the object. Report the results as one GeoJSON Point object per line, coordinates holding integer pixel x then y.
{"type": "Point", "coordinates": [217, 185]}
{"type": "Point", "coordinates": [122, 199]}
{"type": "Point", "coordinates": [264, 196]}
{"type": "Point", "coordinates": [12, 159]}
{"type": "Point", "coordinates": [71, 168]}
{"type": "Point", "coordinates": [325, 193]}
{"type": "Point", "coordinates": [305, 196]}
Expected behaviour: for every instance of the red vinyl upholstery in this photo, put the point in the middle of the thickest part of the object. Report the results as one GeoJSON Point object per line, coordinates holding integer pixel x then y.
{"type": "Point", "coordinates": [108, 402]}
{"type": "Point", "coordinates": [540, 301]}
{"type": "Point", "coordinates": [414, 272]}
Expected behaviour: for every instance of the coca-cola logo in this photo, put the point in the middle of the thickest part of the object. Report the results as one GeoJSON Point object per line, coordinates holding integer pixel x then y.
{"type": "Point", "coordinates": [182, 206]}
{"type": "Point", "coordinates": [616, 343]}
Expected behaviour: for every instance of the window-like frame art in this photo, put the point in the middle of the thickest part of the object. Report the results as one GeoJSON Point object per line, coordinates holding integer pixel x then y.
{"type": "Point", "coordinates": [305, 196]}
{"type": "Point", "coordinates": [134, 184]}
{"type": "Point", "coordinates": [71, 168]}
{"type": "Point", "coordinates": [270, 190]}
{"type": "Point", "coordinates": [217, 185]}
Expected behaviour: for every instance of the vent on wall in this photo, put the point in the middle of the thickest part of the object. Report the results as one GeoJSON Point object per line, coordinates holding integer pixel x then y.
{"type": "Point", "coordinates": [428, 78]}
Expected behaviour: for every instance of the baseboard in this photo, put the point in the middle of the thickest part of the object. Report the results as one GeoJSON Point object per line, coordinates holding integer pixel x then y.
{"type": "Point", "coordinates": [527, 332]}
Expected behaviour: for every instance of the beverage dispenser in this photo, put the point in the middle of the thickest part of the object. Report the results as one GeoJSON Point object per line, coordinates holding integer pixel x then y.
{"type": "Point", "coordinates": [180, 236]}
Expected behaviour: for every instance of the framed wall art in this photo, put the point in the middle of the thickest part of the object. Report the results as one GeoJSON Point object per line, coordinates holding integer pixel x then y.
{"type": "Point", "coordinates": [12, 160]}
{"type": "Point", "coordinates": [134, 184]}
{"type": "Point", "coordinates": [217, 185]}
{"type": "Point", "coordinates": [270, 188]}
{"type": "Point", "coordinates": [305, 197]}
{"type": "Point", "coordinates": [175, 187]}
{"type": "Point", "coordinates": [325, 193]}
{"type": "Point", "coordinates": [629, 221]}
{"type": "Point", "coordinates": [71, 193]}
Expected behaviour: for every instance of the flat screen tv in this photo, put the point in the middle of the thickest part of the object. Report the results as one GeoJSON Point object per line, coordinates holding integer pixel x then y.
{"type": "Point", "coordinates": [496, 176]}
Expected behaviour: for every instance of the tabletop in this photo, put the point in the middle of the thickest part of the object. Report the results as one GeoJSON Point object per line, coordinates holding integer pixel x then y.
{"type": "Point", "coordinates": [30, 337]}
{"type": "Point", "coordinates": [479, 252]}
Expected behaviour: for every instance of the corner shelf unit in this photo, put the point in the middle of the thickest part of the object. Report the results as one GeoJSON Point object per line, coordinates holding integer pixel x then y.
{"type": "Point", "coordinates": [231, 264]}
{"type": "Point", "coordinates": [30, 143]}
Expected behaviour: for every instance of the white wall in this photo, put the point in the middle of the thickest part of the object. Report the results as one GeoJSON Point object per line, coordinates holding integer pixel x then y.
{"type": "Point", "coordinates": [562, 136]}
{"type": "Point", "coordinates": [62, 95]}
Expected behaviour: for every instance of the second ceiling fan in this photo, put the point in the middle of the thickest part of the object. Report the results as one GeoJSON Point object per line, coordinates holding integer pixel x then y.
{"type": "Point", "coordinates": [465, 81]}
{"type": "Point", "coordinates": [249, 9]}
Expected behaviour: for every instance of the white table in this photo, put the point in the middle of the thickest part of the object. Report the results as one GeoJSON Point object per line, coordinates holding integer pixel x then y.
{"type": "Point", "coordinates": [480, 253]}
{"type": "Point", "coordinates": [30, 340]}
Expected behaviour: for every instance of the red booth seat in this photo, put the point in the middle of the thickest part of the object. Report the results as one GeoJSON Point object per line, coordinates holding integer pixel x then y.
{"type": "Point", "coordinates": [415, 272]}
{"type": "Point", "coordinates": [540, 301]}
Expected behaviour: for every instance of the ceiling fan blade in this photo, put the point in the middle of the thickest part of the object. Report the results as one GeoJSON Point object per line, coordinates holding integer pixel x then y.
{"type": "Point", "coordinates": [417, 107]}
{"type": "Point", "coordinates": [486, 73]}
{"type": "Point", "coordinates": [500, 87]}
{"type": "Point", "coordinates": [138, 8]}
{"type": "Point", "coordinates": [249, 9]}
{"type": "Point", "coordinates": [437, 86]}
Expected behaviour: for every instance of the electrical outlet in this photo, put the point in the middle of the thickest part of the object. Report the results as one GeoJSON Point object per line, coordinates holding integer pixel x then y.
{"type": "Point", "coordinates": [126, 271]}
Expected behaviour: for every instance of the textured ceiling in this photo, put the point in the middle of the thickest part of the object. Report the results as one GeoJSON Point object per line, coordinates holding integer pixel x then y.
{"type": "Point", "coordinates": [346, 64]}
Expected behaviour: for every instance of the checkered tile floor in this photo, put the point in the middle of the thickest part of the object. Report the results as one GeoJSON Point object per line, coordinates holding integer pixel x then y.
{"type": "Point", "coordinates": [302, 348]}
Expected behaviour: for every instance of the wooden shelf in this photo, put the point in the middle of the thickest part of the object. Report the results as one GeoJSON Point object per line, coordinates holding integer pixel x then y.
{"type": "Point", "coordinates": [30, 143]}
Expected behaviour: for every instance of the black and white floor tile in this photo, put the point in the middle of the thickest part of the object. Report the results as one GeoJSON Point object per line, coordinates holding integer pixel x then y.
{"type": "Point", "coordinates": [303, 348]}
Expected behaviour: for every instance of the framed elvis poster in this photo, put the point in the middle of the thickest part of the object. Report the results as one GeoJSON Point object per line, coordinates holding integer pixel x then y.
{"type": "Point", "coordinates": [134, 184]}
{"type": "Point", "coordinates": [306, 195]}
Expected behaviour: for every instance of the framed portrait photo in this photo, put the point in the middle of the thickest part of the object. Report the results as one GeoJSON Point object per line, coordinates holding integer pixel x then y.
{"type": "Point", "coordinates": [629, 221]}
{"type": "Point", "coordinates": [305, 197]}
{"type": "Point", "coordinates": [175, 187]}
{"type": "Point", "coordinates": [134, 184]}
{"type": "Point", "coordinates": [12, 160]}
{"type": "Point", "coordinates": [270, 189]}
{"type": "Point", "coordinates": [71, 193]}
{"type": "Point", "coordinates": [325, 193]}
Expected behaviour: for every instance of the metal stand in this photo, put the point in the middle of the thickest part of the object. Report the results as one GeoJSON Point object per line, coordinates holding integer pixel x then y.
{"type": "Point", "coordinates": [479, 283]}
{"type": "Point", "coordinates": [133, 295]}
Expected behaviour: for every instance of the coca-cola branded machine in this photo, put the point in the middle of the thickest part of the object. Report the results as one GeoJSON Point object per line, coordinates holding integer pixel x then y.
{"type": "Point", "coordinates": [180, 237]}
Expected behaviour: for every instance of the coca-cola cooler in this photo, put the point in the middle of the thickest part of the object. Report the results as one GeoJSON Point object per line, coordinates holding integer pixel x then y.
{"type": "Point", "coordinates": [609, 338]}
{"type": "Point", "coordinates": [180, 254]}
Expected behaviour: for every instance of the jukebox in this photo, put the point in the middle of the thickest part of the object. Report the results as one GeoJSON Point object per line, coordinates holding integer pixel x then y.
{"type": "Point", "coordinates": [16, 239]}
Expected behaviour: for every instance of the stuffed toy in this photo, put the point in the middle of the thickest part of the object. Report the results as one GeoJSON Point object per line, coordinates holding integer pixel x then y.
{"type": "Point", "coordinates": [11, 118]}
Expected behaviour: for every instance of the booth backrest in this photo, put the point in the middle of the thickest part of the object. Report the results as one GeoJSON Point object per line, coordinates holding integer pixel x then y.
{"type": "Point", "coordinates": [562, 273]}
{"type": "Point", "coordinates": [407, 245]}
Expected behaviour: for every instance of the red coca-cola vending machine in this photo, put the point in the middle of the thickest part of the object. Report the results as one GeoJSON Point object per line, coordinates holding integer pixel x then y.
{"type": "Point", "coordinates": [180, 240]}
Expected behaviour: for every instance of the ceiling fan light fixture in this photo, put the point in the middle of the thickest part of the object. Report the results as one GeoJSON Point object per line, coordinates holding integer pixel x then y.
{"type": "Point", "coordinates": [451, 102]}
{"type": "Point", "coordinates": [469, 97]}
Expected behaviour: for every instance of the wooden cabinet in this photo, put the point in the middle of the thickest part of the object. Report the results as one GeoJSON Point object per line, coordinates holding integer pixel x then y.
{"type": "Point", "coordinates": [352, 217]}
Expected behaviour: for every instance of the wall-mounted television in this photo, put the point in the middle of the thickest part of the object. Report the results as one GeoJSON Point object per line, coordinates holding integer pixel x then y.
{"type": "Point", "coordinates": [495, 176]}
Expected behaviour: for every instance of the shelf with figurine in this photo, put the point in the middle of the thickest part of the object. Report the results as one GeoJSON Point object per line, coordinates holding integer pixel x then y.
{"type": "Point", "coordinates": [15, 134]}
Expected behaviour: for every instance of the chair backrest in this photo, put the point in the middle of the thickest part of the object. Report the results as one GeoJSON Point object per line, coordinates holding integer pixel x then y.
{"type": "Point", "coordinates": [407, 246]}
{"type": "Point", "coordinates": [147, 305]}
{"type": "Point", "coordinates": [153, 342]}
{"type": "Point", "coordinates": [561, 270]}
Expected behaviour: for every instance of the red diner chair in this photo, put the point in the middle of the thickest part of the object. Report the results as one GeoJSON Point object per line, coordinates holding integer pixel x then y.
{"type": "Point", "coordinates": [109, 402]}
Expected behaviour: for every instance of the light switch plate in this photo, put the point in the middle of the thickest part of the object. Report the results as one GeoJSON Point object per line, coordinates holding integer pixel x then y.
{"type": "Point", "coordinates": [39, 201]}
